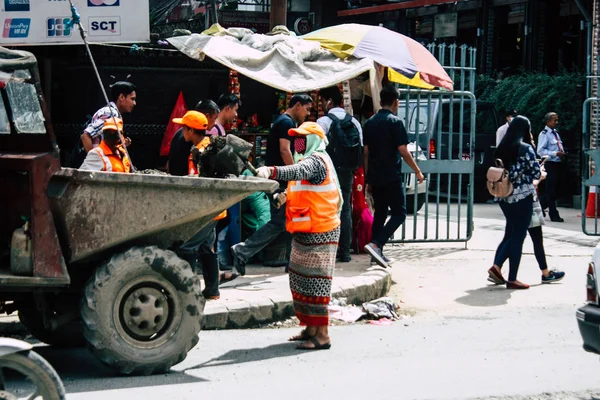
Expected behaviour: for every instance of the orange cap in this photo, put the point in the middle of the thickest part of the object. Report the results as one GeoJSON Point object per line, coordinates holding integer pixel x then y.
{"type": "Point", "coordinates": [193, 119]}
{"type": "Point", "coordinates": [110, 124]}
{"type": "Point", "coordinates": [308, 128]}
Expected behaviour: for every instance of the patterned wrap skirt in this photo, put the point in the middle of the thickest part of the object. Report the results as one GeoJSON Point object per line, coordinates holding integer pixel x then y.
{"type": "Point", "coordinates": [311, 270]}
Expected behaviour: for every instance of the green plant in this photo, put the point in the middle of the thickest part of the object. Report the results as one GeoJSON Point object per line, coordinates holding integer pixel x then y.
{"type": "Point", "coordinates": [534, 94]}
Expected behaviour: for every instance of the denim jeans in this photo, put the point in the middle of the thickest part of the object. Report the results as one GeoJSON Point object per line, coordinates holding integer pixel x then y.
{"type": "Point", "coordinates": [263, 236]}
{"type": "Point", "coordinates": [223, 246]}
{"type": "Point", "coordinates": [390, 196]}
{"type": "Point", "coordinates": [346, 178]}
{"type": "Point", "coordinates": [518, 217]}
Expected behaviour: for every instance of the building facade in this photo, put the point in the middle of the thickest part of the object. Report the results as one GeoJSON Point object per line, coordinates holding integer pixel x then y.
{"type": "Point", "coordinates": [510, 35]}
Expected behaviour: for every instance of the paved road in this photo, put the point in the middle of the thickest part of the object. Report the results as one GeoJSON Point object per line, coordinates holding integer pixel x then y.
{"type": "Point", "coordinates": [467, 339]}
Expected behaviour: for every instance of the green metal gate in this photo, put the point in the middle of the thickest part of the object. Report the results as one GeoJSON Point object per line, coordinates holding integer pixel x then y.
{"type": "Point", "coordinates": [590, 188]}
{"type": "Point", "coordinates": [441, 129]}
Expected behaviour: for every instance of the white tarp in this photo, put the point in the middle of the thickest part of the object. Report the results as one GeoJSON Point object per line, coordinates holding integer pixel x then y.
{"type": "Point", "coordinates": [280, 61]}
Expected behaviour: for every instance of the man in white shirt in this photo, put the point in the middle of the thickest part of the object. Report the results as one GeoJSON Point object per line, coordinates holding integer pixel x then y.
{"type": "Point", "coordinates": [509, 115]}
{"type": "Point", "coordinates": [332, 100]}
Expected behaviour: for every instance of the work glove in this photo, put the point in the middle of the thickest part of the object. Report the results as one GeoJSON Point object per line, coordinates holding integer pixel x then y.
{"type": "Point", "coordinates": [279, 199]}
{"type": "Point", "coordinates": [264, 172]}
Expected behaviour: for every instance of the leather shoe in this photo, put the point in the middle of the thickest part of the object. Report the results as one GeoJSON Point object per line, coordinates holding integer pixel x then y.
{"type": "Point", "coordinates": [516, 285]}
{"type": "Point", "coordinates": [556, 218]}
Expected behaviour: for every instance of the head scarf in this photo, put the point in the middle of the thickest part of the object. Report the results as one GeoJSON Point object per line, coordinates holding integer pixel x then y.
{"type": "Point", "coordinates": [313, 144]}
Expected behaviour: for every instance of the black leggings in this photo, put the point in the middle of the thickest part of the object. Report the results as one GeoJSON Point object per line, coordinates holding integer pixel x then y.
{"type": "Point", "coordinates": [537, 238]}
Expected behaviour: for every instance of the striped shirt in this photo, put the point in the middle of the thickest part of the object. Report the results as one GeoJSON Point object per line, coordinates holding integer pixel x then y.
{"type": "Point", "coordinates": [94, 128]}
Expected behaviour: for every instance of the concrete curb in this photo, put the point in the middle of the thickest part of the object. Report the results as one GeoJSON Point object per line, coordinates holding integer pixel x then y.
{"type": "Point", "coordinates": [365, 287]}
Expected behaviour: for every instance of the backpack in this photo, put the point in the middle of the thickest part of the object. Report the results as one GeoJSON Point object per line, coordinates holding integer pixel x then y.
{"type": "Point", "coordinates": [78, 153]}
{"type": "Point", "coordinates": [344, 146]}
{"type": "Point", "coordinates": [498, 181]}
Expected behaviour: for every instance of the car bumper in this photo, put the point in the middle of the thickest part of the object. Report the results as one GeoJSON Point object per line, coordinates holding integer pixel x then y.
{"type": "Point", "coordinates": [588, 319]}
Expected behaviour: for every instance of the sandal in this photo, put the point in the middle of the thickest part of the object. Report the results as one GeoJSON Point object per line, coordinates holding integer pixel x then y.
{"type": "Point", "coordinates": [232, 276]}
{"type": "Point", "coordinates": [315, 342]}
{"type": "Point", "coordinates": [303, 336]}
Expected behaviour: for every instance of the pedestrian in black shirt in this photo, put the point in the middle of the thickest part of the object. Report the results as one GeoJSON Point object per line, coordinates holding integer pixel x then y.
{"type": "Point", "coordinates": [280, 149]}
{"type": "Point", "coordinates": [386, 141]}
{"type": "Point", "coordinates": [180, 149]}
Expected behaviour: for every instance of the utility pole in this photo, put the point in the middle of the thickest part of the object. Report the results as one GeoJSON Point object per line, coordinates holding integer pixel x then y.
{"type": "Point", "coordinates": [278, 13]}
{"type": "Point", "coordinates": [213, 11]}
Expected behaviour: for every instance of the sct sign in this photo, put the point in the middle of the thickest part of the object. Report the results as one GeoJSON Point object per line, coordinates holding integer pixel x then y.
{"type": "Point", "coordinates": [48, 22]}
{"type": "Point", "coordinates": [102, 26]}
{"type": "Point", "coordinates": [16, 28]}
{"type": "Point", "coordinates": [16, 5]}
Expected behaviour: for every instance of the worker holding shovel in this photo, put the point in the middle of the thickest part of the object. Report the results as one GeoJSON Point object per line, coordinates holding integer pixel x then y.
{"type": "Point", "coordinates": [195, 125]}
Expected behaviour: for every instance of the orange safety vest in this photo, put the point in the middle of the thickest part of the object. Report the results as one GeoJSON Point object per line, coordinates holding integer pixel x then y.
{"type": "Point", "coordinates": [313, 208]}
{"type": "Point", "coordinates": [113, 162]}
{"type": "Point", "coordinates": [192, 169]}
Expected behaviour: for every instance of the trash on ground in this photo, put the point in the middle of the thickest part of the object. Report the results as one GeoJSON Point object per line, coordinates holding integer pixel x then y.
{"type": "Point", "coordinates": [382, 322]}
{"type": "Point", "coordinates": [346, 314]}
{"type": "Point", "coordinates": [382, 308]}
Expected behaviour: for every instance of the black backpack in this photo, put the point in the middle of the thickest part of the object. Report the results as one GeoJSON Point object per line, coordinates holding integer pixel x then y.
{"type": "Point", "coordinates": [344, 146]}
{"type": "Point", "coordinates": [78, 153]}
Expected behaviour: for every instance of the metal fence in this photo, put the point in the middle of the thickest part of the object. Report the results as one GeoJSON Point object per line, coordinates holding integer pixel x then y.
{"type": "Point", "coordinates": [441, 124]}
{"type": "Point", "coordinates": [590, 187]}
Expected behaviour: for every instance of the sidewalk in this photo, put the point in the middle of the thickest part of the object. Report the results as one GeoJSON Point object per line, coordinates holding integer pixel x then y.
{"type": "Point", "coordinates": [445, 279]}
{"type": "Point", "coordinates": [263, 295]}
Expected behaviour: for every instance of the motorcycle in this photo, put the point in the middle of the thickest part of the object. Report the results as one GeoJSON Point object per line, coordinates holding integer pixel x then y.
{"type": "Point", "coordinates": [24, 374]}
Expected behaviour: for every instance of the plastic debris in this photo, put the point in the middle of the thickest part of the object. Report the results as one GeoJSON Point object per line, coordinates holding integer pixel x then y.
{"type": "Point", "coordinates": [382, 322]}
{"type": "Point", "coordinates": [383, 307]}
{"type": "Point", "coordinates": [346, 314]}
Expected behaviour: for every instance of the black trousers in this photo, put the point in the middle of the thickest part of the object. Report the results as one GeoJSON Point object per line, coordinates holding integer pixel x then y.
{"type": "Point", "coordinates": [387, 197]}
{"type": "Point", "coordinates": [548, 200]}
{"type": "Point", "coordinates": [346, 178]}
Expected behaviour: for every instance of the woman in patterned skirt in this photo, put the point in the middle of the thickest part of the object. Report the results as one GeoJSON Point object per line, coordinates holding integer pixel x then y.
{"type": "Point", "coordinates": [312, 215]}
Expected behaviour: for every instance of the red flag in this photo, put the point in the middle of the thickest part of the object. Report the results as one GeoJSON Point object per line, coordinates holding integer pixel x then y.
{"type": "Point", "coordinates": [178, 111]}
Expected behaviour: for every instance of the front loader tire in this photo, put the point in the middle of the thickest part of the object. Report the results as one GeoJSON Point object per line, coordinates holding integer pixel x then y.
{"type": "Point", "coordinates": [142, 310]}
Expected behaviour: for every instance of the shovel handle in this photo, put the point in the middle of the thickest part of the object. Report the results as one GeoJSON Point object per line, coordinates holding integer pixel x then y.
{"type": "Point", "coordinates": [251, 168]}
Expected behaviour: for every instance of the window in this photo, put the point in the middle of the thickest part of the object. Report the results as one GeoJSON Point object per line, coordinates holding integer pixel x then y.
{"type": "Point", "coordinates": [423, 116]}
{"type": "Point", "coordinates": [25, 105]}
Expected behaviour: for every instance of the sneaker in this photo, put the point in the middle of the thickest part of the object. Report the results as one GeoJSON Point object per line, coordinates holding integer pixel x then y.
{"type": "Point", "coordinates": [386, 259]}
{"type": "Point", "coordinates": [554, 276]}
{"type": "Point", "coordinates": [375, 252]}
{"type": "Point", "coordinates": [238, 263]}
{"type": "Point", "coordinates": [344, 258]}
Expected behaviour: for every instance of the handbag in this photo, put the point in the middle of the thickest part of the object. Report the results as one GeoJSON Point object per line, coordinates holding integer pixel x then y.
{"type": "Point", "coordinates": [537, 217]}
{"type": "Point", "coordinates": [498, 181]}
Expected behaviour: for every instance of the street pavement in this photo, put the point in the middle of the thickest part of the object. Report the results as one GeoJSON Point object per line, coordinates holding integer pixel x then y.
{"type": "Point", "coordinates": [460, 338]}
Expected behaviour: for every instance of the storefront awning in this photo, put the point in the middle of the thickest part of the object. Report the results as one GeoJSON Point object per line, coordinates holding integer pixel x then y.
{"type": "Point", "coordinates": [393, 7]}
